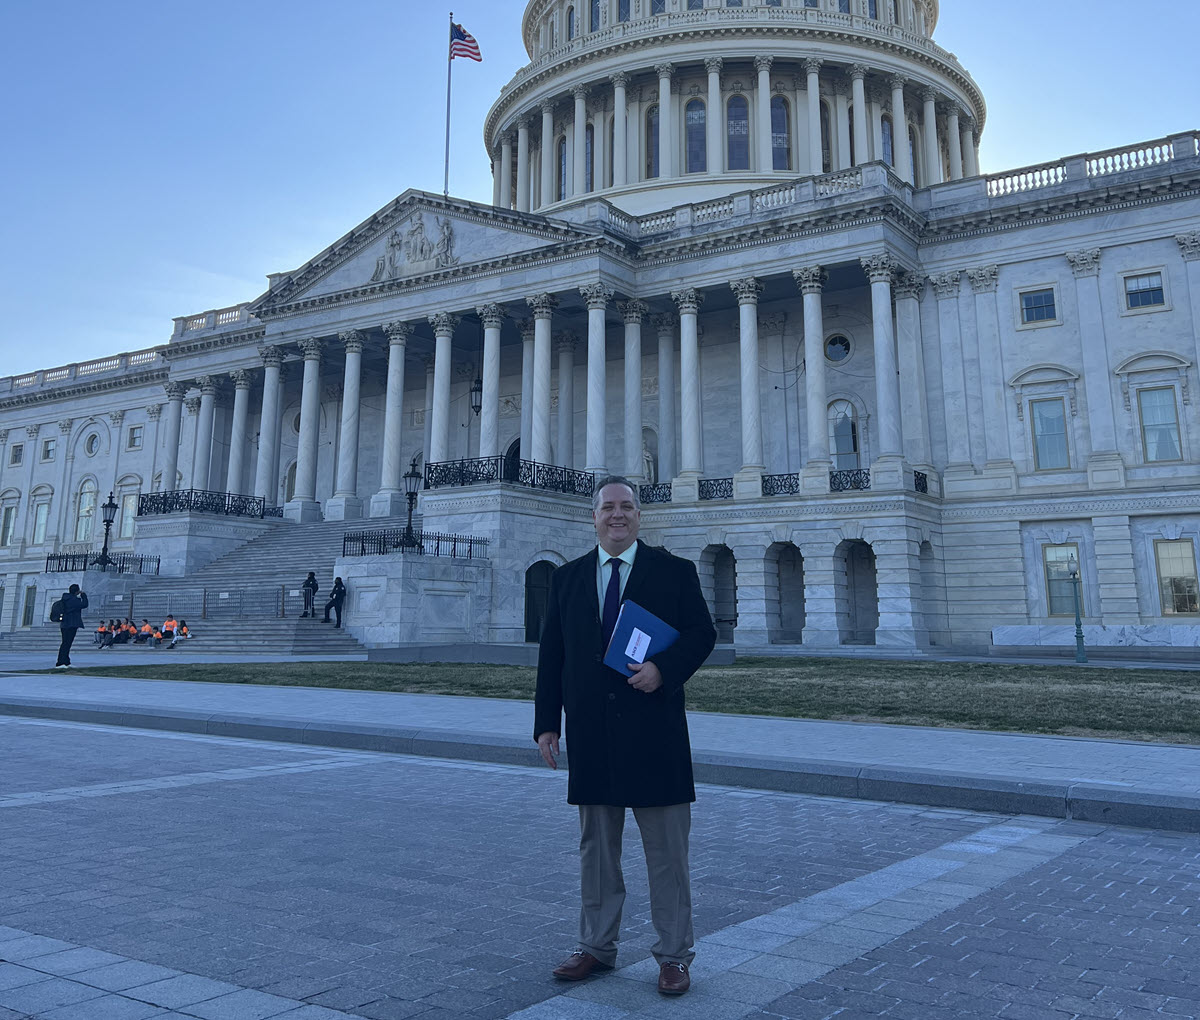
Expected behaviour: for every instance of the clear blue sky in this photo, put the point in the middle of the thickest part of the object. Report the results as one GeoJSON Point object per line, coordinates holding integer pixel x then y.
{"type": "Point", "coordinates": [160, 158]}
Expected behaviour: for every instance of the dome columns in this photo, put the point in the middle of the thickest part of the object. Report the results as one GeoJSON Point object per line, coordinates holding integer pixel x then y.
{"type": "Point", "coordinates": [620, 150]}
{"type": "Point", "coordinates": [666, 121]}
{"type": "Point", "coordinates": [812, 69]}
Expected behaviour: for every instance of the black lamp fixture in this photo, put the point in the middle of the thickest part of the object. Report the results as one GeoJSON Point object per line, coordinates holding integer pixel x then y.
{"type": "Point", "coordinates": [108, 513]}
{"type": "Point", "coordinates": [477, 395]}
{"type": "Point", "coordinates": [412, 483]}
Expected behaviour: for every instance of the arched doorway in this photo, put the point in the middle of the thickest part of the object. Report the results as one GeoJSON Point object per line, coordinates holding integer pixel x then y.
{"type": "Point", "coordinates": [856, 592]}
{"type": "Point", "coordinates": [933, 597]}
{"type": "Point", "coordinates": [512, 462]}
{"type": "Point", "coordinates": [537, 594]}
{"type": "Point", "coordinates": [788, 623]}
{"type": "Point", "coordinates": [718, 578]}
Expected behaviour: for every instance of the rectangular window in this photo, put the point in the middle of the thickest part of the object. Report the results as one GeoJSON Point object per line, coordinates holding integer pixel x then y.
{"type": "Point", "coordinates": [16, 454]}
{"type": "Point", "coordinates": [48, 448]}
{"type": "Point", "coordinates": [1060, 594]}
{"type": "Point", "coordinates": [1160, 425]}
{"type": "Point", "coordinates": [623, 10]}
{"type": "Point", "coordinates": [41, 515]}
{"type": "Point", "coordinates": [844, 6]}
{"type": "Point", "coordinates": [733, 3]}
{"type": "Point", "coordinates": [129, 503]}
{"type": "Point", "coordinates": [1038, 306]}
{"type": "Point", "coordinates": [1049, 418]}
{"type": "Point", "coordinates": [8, 524]}
{"type": "Point", "coordinates": [812, 3]}
{"type": "Point", "coordinates": [135, 437]}
{"type": "Point", "coordinates": [30, 602]}
{"type": "Point", "coordinates": [1177, 586]}
{"type": "Point", "coordinates": [658, 6]}
{"type": "Point", "coordinates": [1144, 290]}
{"type": "Point", "coordinates": [695, 5]}
{"type": "Point", "coordinates": [873, 9]}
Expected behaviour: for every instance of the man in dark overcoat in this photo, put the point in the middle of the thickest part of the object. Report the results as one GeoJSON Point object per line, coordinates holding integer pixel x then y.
{"type": "Point", "coordinates": [628, 737]}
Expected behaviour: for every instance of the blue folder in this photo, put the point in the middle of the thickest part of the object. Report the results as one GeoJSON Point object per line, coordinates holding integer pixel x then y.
{"type": "Point", "coordinates": [651, 634]}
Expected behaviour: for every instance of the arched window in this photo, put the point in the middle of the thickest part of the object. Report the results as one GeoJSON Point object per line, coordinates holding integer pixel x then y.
{"type": "Point", "coordinates": [696, 139]}
{"type": "Point", "coordinates": [781, 134]}
{"type": "Point", "coordinates": [826, 141]}
{"type": "Point", "coordinates": [570, 23]}
{"type": "Point", "coordinates": [289, 483]}
{"type": "Point", "coordinates": [85, 511]}
{"type": "Point", "coordinates": [843, 435]}
{"type": "Point", "coordinates": [873, 9]}
{"type": "Point", "coordinates": [623, 10]}
{"type": "Point", "coordinates": [853, 155]}
{"type": "Point", "coordinates": [652, 142]}
{"type": "Point", "coordinates": [562, 169]}
{"type": "Point", "coordinates": [737, 132]}
{"type": "Point", "coordinates": [594, 20]}
{"type": "Point", "coordinates": [589, 158]}
{"type": "Point", "coordinates": [889, 155]}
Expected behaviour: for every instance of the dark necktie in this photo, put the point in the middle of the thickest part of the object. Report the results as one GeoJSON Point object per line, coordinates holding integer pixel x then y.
{"type": "Point", "coordinates": [612, 601]}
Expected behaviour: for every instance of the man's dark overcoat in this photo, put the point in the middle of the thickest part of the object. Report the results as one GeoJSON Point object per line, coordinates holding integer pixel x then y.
{"type": "Point", "coordinates": [625, 748]}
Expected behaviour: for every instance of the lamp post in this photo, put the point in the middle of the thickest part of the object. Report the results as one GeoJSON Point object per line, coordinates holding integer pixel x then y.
{"type": "Point", "coordinates": [477, 396]}
{"type": "Point", "coordinates": [412, 482]}
{"type": "Point", "coordinates": [1073, 570]}
{"type": "Point", "coordinates": [109, 511]}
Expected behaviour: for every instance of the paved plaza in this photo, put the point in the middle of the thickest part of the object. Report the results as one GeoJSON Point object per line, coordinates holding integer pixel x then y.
{"type": "Point", "coordinates": [155, 874]}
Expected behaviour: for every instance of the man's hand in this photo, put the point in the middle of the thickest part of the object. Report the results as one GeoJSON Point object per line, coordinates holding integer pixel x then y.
{"type": "Point", "coordinates": [646, 677]}
{"type": "Point", "coordinates": [548, 745]}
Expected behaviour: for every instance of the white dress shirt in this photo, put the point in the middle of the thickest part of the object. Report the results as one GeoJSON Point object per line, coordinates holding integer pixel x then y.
{"type": "Point", "coordinates": [604, 571]}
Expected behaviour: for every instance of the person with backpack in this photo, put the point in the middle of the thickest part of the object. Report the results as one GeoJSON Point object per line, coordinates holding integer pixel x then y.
{"type": "Point", "coordinates": [67, 612]}
{"type": "Point", "coordinates": [336, 597]}
{"type": "Point", "coordinates": [309, 587]}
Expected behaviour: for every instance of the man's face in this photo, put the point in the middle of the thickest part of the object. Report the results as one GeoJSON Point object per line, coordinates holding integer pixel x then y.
{"type": "Point", "coordinates": [617, 519]}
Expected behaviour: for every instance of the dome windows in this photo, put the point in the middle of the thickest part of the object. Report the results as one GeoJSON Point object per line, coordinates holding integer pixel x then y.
{"type": "Point", "coordinates": [658, 6]}
{"type": "Point", "coordinates": [623, 10]}
{"type": "Point", "coordinates": [837, 348]}
{"type": "Point", "coordinates": [696, 137]}
{"type": "Point", "coordinates": [594, 16]}
{"type": "Point", "coordinates": [737, 132]}
{"type": "Point", "coordinates": [652, 170]}
{"type": "Point", "coordinates": [570, 23]}
{"type": "Point", "coordinates": [781, 137]}
{"type": "Point", "coordinates": [589, 158]}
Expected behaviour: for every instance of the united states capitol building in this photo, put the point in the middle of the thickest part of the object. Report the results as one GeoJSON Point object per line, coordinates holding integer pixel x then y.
{"type": "Point", "coordinates": [737, 250]}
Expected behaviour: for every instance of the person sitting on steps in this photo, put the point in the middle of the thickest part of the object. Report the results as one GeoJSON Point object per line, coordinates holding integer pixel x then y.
{"type": "Point", "coordinates": [144, 635]}
{"type": "Point", "coordinates": [168, 629]}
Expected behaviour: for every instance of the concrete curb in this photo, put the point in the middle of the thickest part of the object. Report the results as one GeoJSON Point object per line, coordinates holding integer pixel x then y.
{"type": "Point", "coordinates": [1146, 809]}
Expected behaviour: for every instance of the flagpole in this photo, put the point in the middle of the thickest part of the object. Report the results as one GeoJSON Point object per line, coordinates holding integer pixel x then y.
{"type": "Point", "coordinates": [449, 72]}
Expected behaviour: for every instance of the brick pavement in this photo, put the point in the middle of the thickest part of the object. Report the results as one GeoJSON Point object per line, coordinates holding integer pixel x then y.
{"type": "Point", "coordinates": [208, 877]}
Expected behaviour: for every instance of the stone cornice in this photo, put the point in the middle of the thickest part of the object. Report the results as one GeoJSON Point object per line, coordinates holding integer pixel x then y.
{"type": "Point", "coordinates": [210, 343]}
{"type": "Point", "coordinates": [71, 391]}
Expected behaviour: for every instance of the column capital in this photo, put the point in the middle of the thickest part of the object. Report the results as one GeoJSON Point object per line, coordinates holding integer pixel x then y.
{"type": "Point", "coordinates": [620, 80]}
{"type": "Point", "coordinates": [747, 290]}
{"type": "Point", "coordinates": [1189, 246]}
{"type": "Point", "coordinates": [524, 123]}
{"type": "Point", "coordinates": [597, 295]}
{"type": "Point", "coordinates": [175, 390]}
{"type": "Point", "coordinates": [664, 70]}
{"type": "Point", "coordinates": [909, 285]}
{"type": "Point", "coordinates": [192, 404]}
{"type": "Point", "coordinates": [154, 411]}
{"type": "Point", "coordinates": [208, 385]}
{"type": "Point", "coordinates": [858, 72]}
{"type": "Point", "coordinates": [542, 305]}
{"type": "Point", "coordinates": [929, 95]}
{"type": "Point", "coordinates": [428, 361]}
{"type": "Point", "coordinates": [492, 316]}
{"type": "Point", "coordinates": [547, 107]}
{"type": "Point", "coordinates": [984, 279]}
{"type": "Point", "coordinates": [713, 65]}
{"type": "Point", "coordinates": [633, 311]}
{"type": "Point", "coordinates": [898, 81]}
{"type": "Point", "coordinates": [1085, 262]}
{"type": "Point", "coordinates": [116, 417]}
{"type": "Point", "coordinates": [967, 123]}
{"type": "Point", "coordinates": [527, 330]}
{"type": "Point", "coordinates": [580, 92]}
{"type": "Point", "coordinates": [954, 111]}
{"type": "Point", "coordinates": [444, 324]}
{"type": "Point", "coordinates": [398, 333]}
{"type": "Point", "coordinates": [32, 431]}
{"type": "Point", "coordinates": [665, 323]}
{"type": "Point", "coordinates": [945, 285]}
{"type": "Point", "coordinates": [813, 66]}
{"type": "Point", "coordinates": [354, 341]}
{"type": "Point", "coordinates": [65, 424]}
{"type": "Point", "coordinates": [810, 279]}
{"type": "Point", "coordinates": [689, 300]}
{"type": "Point", "coordinates": [271, 355]}
{"type": "Point", "coordinates": [311, 348]}
{"type": "Point", "coordinates": [240, 378]}
{"type": "Point", "coordinates": [879, 268]}
{"type": "Point", "coordinates": [3, 436]}
{"type": "Point", "coordinates": [565, 341]}
{"type": "Point", "coordinates": [763, 62]}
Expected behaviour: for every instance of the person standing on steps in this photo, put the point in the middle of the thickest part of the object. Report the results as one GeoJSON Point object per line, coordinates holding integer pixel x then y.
{"type": "Point", "coordinates": [74, 602]}
{"type": "Point", "coordinates": [336, 597]}
{"type": "Point", "coordinates": [310, 588]}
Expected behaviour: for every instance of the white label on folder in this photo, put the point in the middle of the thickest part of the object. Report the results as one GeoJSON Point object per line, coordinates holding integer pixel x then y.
{"type": "Point", "coordinates": [639, 645]}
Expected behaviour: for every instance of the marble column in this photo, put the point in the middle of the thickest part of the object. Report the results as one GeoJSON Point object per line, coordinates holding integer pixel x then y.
{"type": "Point", "coordinates": [816, 163]}
{"type": "Point", "coordinates": [633, 312]}
{"type": "Point", "coordinates": [762, 107]}
{"type": "Point", "coordinates": [954, 138]}
{"type": "Point", "coordinates": [666, 122]}
{"type": "Point", "coordinates": [665, 326]}
{"type": "Point", "coordinates": [1105, 467]}
{"type": "Point", "coordinates": [817, 463]}
{"type": "Point", "coordinates": [303, 505]}
{"type": "Point", "coordinates": [444, 326]}
{"type": "Point", "coordinates": [901, 152]}
{"type": "Point", "coordinates": [496, 163]}
{"type": "Point", "coordinates": [887, 470]}
{"type": "Point", "coordinates": [992, 379]}
{"type": "Point", "coordinates": [523, 165]}
{"type": "Point", "coordinates": [506, 154]}
{"type": "Point", "coordinates": [841, 116]}
{"type": "Point", "coordinates": [714, 120]}
{"type": "Point", "coordinates": [970, 151]}
{"type": "Point", "coordinates": [821, 625]}
{"type": "Point", "coordinates": [898, 581]}
{"type": "Point", "coordinates": [273, 475]}
{"type": "Point", "coordinates": [390, 500]}
{"type": "Point", "coordinates": [858, 90]}
{"type": "Point", "coordinates": [237, 431]}
{"type": "Point", "coordinates": [933, 150]}
{"type": "Point", "coordinates": [170, 473]}
{"type": "Point", "coordinates": [1189, 251]}
{"type": "Point", "coordinates": [757, 593]}
{"type": "Point", "coordinates": [542, 306]}
{"type": "Point", "coordinates": [492, 317]}
{"type": "Point", "coordinates": [686, 485]}
{"type": "Point", "coordinates": [527, 331]}
{"type": "Point", "coordinates": [597, 296]}
{"type": "Point", "coordinates": [954, 386]}
{"type": "Point", "coordinates": [565, 345]}
{"type": "Point", "coordinates": [548, 155]}
{"type": "Point", "coordinates": [202, 454]}
{"type": "Point", "coordinates": [914, 406]}
{"type": "Point", "coordinates": [747, 483]}
{"type": "Point", "coordinates": [429, 362]}
{"type": "Point", "coordinates": [579, 124]}
{"type": "Point", "coordinates": [346, 504]}
{"type": "Point", "coordinates": [268, 424]}
{"type": "Point", "coordinates": [620, 131]}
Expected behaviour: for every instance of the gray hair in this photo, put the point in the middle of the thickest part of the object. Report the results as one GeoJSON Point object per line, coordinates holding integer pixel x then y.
{"type": "Point", "coordinates": [615, 480]}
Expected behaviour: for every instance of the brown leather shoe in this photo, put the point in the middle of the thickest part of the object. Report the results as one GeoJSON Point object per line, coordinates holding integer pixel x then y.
{"type": "Point", "coordinates": [673, 979]}
{"type": "Point", "coordinates": [579, 965]}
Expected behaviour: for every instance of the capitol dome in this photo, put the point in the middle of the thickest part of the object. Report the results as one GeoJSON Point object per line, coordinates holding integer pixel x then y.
{"type": "Point", "coordinates": [655, 103]}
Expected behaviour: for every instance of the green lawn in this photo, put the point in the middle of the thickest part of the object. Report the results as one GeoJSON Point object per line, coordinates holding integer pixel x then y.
{"type": "Point", "coordinates": [1156, 705]}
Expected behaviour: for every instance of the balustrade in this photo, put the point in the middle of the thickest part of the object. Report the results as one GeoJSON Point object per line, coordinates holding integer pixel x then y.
{"type": "Point", "coordinates": [118, 563]}
{"type": "Point", "coordinates": [200, 501]}
{"type": "Point", "coordinates": [491, 470]}
{"type": "Point", "coordinates": [780, 485]}
{"type": "Point", "coordinates": [854, 480]}
{"type": "Point", "coordinates": [388, 541]}
{"type": "Point", "coordinates": [716, 488]}
{"type": "Point", "coordinates": [659, 493]}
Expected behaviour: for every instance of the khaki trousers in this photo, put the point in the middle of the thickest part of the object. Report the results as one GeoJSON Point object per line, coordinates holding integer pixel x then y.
{"type": "Point", "coordinates": [665, 833]}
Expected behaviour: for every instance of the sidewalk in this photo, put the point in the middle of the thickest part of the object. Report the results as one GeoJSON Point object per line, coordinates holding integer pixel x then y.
{"type": "Point", "coordinates": [1110, 781]}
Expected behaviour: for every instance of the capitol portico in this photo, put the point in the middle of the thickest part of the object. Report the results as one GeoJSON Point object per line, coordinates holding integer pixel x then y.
{"type": "Point", "coordinates": [743, 254]}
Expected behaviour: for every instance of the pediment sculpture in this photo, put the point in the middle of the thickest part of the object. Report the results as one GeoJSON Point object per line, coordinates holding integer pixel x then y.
{"type": "Point", "coordinates": [415, 252]}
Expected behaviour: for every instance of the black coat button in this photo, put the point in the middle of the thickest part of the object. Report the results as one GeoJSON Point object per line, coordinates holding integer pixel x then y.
{"type": "Point", "coordinates": [612, 697]}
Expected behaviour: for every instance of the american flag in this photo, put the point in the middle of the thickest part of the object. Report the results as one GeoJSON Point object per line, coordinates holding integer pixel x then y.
{"type": "Point", "coordinates": [463, 44]}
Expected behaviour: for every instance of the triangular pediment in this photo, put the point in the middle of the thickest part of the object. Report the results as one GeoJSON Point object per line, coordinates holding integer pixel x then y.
{"type": "Point", "coordinates": [416, 237]}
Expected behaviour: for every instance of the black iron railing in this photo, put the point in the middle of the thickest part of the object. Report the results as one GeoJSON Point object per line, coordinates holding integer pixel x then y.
{"type": "Point", "coordinates": [657, 493]}
{"type": "Point", "coordinates": [855, 480]}
{"type": "Point", "coordinates": [484, 470]}
{"type": "Point", "coordinates": [920, 481]}
{"type": "Point", "coordinates": [780, 485]}
{"type": "Point", "coordinates": [388, 541]}
{"type": "Point", "coordinates": [716, 488]}
{"type": "Point", "coordinates": [118, 563]}
{"type": "Point", "coordinates": [199, 501]}
{"type": "Point", "coordinates": [273, 511]}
